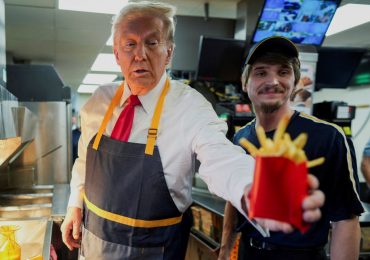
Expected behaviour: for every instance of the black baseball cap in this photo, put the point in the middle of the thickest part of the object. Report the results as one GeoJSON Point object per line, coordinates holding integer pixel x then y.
{"type": "Point", "coordinates": [275, 44]}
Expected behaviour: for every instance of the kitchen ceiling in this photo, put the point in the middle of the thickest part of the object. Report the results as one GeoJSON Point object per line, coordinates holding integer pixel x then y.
{"type": "Point", "coordinates": [38, 32]}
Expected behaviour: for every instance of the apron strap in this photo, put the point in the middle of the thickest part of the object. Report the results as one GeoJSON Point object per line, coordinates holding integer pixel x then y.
{"type": "Point", "coordinates": [115, 101]}
{"type": "Point", "coordinates": [132, 222]}
{"type": "Point", "coordinates": [152, 131]}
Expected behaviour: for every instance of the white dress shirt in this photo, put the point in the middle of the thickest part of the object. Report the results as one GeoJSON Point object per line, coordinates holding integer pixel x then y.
{"type": "Point", "coordinates": [188, 127]}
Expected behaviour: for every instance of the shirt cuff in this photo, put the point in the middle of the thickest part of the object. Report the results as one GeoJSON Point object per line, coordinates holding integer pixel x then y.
{"type": "Point", "coordinates": [75, 199]}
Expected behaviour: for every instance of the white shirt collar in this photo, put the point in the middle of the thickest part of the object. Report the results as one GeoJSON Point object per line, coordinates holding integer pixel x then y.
{"type": "Point", "coordinates": [149, 100]}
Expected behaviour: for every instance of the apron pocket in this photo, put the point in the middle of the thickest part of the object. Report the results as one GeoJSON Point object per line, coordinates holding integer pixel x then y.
{"type": "Point", "coordinates": [93, 247]}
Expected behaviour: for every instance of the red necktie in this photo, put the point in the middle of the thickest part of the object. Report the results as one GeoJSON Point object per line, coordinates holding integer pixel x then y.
{"type": "Point", "coordinates": [122, 128]}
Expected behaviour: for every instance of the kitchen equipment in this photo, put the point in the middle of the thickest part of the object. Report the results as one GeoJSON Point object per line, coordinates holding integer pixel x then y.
{"type": "Point", "coordinates": [9, 247]}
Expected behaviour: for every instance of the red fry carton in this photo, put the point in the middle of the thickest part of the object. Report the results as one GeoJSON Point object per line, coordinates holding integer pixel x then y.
{"type": "Point", "coordinates": [278, 190]}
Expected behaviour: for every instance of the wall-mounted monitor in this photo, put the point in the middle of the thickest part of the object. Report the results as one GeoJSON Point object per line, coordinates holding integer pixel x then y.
{"type": "Point", "coordinates": [361, 76]}
{"type": "Point", "coordinates": [302, 21]}
{"type": "Point", "coordinates": [336, 66]}
{"type": "Point", "coordinates": [220, 59]}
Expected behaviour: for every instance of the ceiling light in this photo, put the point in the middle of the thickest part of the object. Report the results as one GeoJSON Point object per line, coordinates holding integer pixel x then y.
{"type": "Point", "coordinates": [87, 88]}
{"type": "Point", "coordinates": [349, 16]}
{"type": "Point", "coordinates": [110, 41]}
{"type": "Point", "coordinates": [93, 6]}
{"type": "Point", "coordinates": [98, 79]}
{"type": "Point", "coordinates": [105, 62]}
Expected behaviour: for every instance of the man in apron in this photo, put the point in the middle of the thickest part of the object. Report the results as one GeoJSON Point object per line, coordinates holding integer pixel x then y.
{"type": "Point", "coordinates": [135, 189]}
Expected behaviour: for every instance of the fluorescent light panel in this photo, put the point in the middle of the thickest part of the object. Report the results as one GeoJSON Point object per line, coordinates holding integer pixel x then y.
{"type": "Point", "coordinates": [349, 16]}
{"type": "Point", "coordinates": [105, 62]}
{"type": "Point", "coordinates": [93, 6]}
{"type": "Point", "coordinates": [87, 89]}
{"type": "Point", "coordinates": [98, 79]}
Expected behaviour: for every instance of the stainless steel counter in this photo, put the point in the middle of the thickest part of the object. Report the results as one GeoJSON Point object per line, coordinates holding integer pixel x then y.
{"type": "Point", "coordinates": [60, 200]}
{"type": "Point", "coordinates": [209, 201]}
{"type": "Point", "coordinates": [47, 240]}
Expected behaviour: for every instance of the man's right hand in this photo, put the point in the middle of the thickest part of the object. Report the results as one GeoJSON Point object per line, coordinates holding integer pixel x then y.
{"type": "Point", "coordinates": [71, 228]}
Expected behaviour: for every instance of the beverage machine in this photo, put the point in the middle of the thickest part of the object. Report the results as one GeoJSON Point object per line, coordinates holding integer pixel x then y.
{"type": "Point", "coordinates": [337, 112]}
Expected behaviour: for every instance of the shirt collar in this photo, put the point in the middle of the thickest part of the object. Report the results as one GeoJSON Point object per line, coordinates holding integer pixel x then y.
{"type": "Point", "coordinates": [149, 100]}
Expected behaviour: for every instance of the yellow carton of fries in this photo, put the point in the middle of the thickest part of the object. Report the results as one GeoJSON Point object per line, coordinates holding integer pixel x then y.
{"type": "Point", "coordinates": [280, 176]}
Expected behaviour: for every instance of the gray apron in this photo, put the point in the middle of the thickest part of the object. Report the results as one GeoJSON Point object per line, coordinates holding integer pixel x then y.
{"type": "Point", "coordinates": [128, 210]}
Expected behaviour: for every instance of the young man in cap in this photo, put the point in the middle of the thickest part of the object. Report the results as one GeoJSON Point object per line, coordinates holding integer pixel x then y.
{"type": "Point", "coordinates": [271, 74]}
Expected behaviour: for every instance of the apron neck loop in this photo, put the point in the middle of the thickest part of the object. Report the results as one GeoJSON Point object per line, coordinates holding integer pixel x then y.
{"type": "Point", "coordinates": [115, 101]}
{"type": "Point", "coordinates": [152, 131]}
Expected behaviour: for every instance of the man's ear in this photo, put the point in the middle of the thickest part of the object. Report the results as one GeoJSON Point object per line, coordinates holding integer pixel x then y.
{"type": "Point", "coordinates": [244, 84]}
{"type": "Point", "coordinates": [245, 87]}
{"type": "Point", "coordinates": [169, 53]}
{"type": "Point", "coordinates": [115, 52]}
{"type": "Point", "coordinates": [244, 80]}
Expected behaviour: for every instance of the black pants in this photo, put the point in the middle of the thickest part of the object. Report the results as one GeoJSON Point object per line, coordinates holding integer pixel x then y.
{"type": "Point", "coordinates": [247, 252]}
{"type": "Point", "coordinates": [181, 241]}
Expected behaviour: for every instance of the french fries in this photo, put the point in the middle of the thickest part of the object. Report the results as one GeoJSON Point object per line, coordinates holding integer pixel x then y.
{"type": "Point", "coordinates": [281, 145]}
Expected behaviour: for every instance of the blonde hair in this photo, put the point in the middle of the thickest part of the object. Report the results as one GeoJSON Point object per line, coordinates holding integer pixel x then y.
{"type": "Point", "coordinates": [164, 11]}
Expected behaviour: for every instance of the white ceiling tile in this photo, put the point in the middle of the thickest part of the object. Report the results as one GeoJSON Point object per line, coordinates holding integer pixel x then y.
{"type": "Point", "coordinates": [73, 19]}
{"type": "Point", "coordinates": [34, 50]}
{"type": "Point", "coordinates": [30, 34]}
{"type": "Point", "coordinates": [38, 3]}
{"type": "Point", "coordinates": [20, 15]}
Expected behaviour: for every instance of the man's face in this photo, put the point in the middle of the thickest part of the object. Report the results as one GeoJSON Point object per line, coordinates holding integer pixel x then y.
{"type": "Point", "coordinates": [269, 86]}
{"type": "Point", "coordinates": [143, 52]}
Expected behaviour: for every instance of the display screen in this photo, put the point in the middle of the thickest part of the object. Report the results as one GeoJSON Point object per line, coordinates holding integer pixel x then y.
{"type": "Point", "coordinates": [220, 59]}
{"type": "Point", "coordinates": [361, 75]}
{"type": "Point", "coordinates": [336, 66]}
{"type": "Point", "coordinates": [302, 21]}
